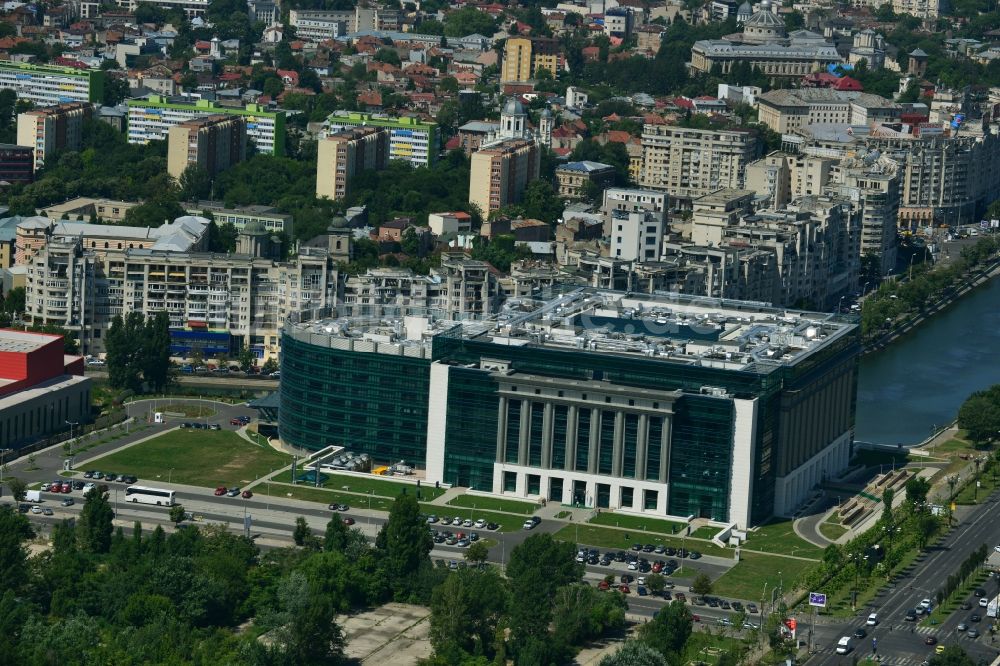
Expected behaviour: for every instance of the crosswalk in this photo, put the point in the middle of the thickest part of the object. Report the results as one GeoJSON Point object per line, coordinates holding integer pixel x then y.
{"type": "Point", "coordinates": [885, 660]}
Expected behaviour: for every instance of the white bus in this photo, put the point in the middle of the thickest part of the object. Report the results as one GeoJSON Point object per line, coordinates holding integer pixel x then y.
{"type": "Point", "coordinates": [144, 495]}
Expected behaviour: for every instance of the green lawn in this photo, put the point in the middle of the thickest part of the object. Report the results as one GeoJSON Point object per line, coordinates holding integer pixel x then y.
{"type": "Point", "coordinates": [195, 457]}
{"type": "Point", "coordinates": [607, 537]}
{"type": "Point", "coordinates": [746, 580]}
{"type": "Point", "coordinates": [832, 531]}
{"type": "Point", "coordinates": [705, 532]}
{"type": "Point", "coordinates": [374, 485]}
{"type": "Point", "coordinates": [639, 523]}
{"type": "Point", "coordinates": [971, 495]}
{"type": "Point", "coordinates": [308, 493]}
{"type": "Point", "coordinates": [706, 648]}
{"type": "Point", "coordinates": [187, 410]}
{"type": "Point", "coordinates": [779, 537]}
{"type": "Point", "coordinates": [476, 502]}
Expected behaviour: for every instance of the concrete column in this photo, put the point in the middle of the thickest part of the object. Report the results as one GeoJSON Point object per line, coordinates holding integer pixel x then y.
{"type": "Point", "coordinates": [595, 438]}
{"type": "Point", "coordinates": [617, 450]}
{"type": "Point", "coordinates": [522, 444]}
{"type": "Point", "coordinates": [502, 430]}
{"type": "Point", "coordinates": [571, 431]}
{"type": "Point", "coordinates": [641, 445]}
{"type": "Point", "coordinates": [665, 449]}
{"type": "Point", "coordinates": [547, 418]}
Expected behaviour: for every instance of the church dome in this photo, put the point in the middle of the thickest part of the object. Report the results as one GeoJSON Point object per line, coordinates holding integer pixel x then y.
{"type": "Point", "coordinates": [765, 17]}
{"type": "Point", "coordinates": [513, 108]}
{"type": "Point", "coordinates": [339, 222]}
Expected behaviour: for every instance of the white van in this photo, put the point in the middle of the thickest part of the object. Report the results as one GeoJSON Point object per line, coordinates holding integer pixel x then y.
{"type": "Point", "coordinates": [844, 645]}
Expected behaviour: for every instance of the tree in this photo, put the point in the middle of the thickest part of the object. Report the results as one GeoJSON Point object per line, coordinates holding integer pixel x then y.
{"type": "Point", "coordinates": [468, 21]}
{"type": "Point", "coordinates": [916, 491]}
{"type": "Point", "coordinates": [581, 613]}
{"type": "Point", "coordinates": [156, 351]}
{"type": "Point", "coordinates": [222, 237]}
{"type": "Point", "coordinates": [246, 358]}
{"type": "Point", "coordinates": [270, 365]}
{"type": "Point", "coordinates": [669, 630]}
{"type": "Point", "coordinates": [18, 488]}
{"type": "Point", "coordinates": [95, 525]}
{"type": "Point", "coordinates": [466, 614]}
{"type": "Point", "coordinates": [336, 536]}
{"type": "Point", "coordinates": [15, 530]}
{"type": "Point", "coordinates": [477, 553]}
{"type": "Point", "coordinates": [195, 183]}
{"type": "Point", "coordinates": [302, 532]}
{"type": "Point", "coordinates": [952, 656]}
{"type": "Point", "coordinates": [537, 568]}
{"type": "Point", "coordinates": [702, 584]}
{"type": "Point", "coordinates": [177, 514]}
{"type": "Point", "coordinates": [980, 417]}
{"type": "Point", "coordinates": [403, 544]}
{"type": "Point", "coordinates": [656, 583]}
{"type": "Point", "coordinates": [388, 56]}
{"type": "Point", "coordinates": [888, 495]}
{"type": "Point", "coordinates": [634, 653]}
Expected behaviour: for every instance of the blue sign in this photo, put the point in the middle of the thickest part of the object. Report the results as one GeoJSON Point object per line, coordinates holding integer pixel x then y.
{"type": "Point", "coordinates": [817, 599]}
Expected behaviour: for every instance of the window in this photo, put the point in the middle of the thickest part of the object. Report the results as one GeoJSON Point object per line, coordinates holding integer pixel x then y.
{"type": "Point", "coordinates": [626, 496]}
{"type": "Point", "coordinates": [510, 482]}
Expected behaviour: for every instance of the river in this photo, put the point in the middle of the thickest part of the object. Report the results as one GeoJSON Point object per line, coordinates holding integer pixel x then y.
{"type": "Point", "coordinates": [920, 380]}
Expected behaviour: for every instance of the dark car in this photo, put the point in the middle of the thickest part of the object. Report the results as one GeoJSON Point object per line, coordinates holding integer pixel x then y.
{"type": "Point", "coordinates": [911, 615]}
{"type": "Point", "coordinates": [247, 494]}
{"type": "Point", "coordinates": [694, 555]}
{"type": "Point", "coordinates": [737, 606]}
{"type": "Point", "coordinates": [637, 547]}
{"type": "Point", "coordinates": [667, 595]}
{"type": "Point", "coordinates": [215, 426]}
{"type": "Point", "coordinates": [88, 475]}
{"type": "Point", "coordinates": [860, 632]}
{"type": "Point", "coordinates": [648, 548]}
{"type": "Point", "coordinates": [235, 421]}
{"type": "Point", "coordinates": [752, 607]}
{"type": "Point", "coordinates": [671, 551]}
{"type": "Point", "coordinates": [492, 526]}
{"type": "Point", "coordinates": [682, 553]}
{"type": "Point", "coordinates": [641, 590]}
{"type": "Point", "coordinates": [110, 476]}
{"type": "Point", "coordinates": [627, 578]}
{"type": "Point", "coordinates": [980, 592]}
{"type": "Point", "coordinates": [966, 605]}
{"type": "Point", "coordinates": [348, 520]}
{"type": "Point", "coordinates": [78, 485]}
{"type": "Point", "coordinates": [24, 508]}
{"type": "Point", "coordinates": [974, 617]}
{"type": "Point", "coordinates": [930, 640]}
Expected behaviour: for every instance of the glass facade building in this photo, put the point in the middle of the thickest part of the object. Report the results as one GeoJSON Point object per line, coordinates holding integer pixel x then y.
{"type": "Point", "coordinates": [734, 420]}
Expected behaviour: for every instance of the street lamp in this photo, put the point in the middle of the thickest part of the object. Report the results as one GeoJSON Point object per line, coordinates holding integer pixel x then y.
{"type": "Point", "coordinates": [169, 473]}
{"type": "Point", "coordinates": [3, 452]}
{"type": "Point", "coordinates": [71, 424]}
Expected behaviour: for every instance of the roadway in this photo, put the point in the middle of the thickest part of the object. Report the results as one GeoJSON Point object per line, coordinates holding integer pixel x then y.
{"type": "Point", "coordinates": [901, 643]}
{"type": "Point", "coordinates": [232, 380]}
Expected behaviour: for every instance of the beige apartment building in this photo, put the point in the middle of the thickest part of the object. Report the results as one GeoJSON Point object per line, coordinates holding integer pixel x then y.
{"type": "Point", "coordinates": [690, 163]}
{"type": "Point", "coordinates": [52, 129]}
{"type": "Point", "coordinates": [343, 155]}
{"type": "Point", "coordinates": [523, 57]}
{"type": "Point", "coordinates": [501, 173]}
{"type": "Point", "coordinates": [785, 111]}
{"type": "Point", "coordinates": [214, 143]}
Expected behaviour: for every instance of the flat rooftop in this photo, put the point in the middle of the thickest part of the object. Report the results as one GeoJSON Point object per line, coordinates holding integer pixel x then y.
{"type": "Point", "coordinates": [741, 336]}
{"type": "Point", "coordinates": [22, 342]}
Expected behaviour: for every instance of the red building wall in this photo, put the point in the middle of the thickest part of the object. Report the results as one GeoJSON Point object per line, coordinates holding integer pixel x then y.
{"type": "Point", "coordinates": [27, 369]}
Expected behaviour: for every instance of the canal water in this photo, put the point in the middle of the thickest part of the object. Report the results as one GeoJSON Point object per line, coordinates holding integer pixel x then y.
{"type": "Point", "coordinates": [920, 380]}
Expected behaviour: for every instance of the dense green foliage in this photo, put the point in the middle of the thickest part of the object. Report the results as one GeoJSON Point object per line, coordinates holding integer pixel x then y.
{"type": "Point", "coordinates": [138, 351]}
{"type": "Point", "coordinates": [979, 415]}
{"type": "Point", "coordinates": [900, 299]}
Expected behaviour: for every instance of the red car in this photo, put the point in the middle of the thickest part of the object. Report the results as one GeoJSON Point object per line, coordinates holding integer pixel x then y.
{"type": "Point", "coordinates": [221, 490]}
{"type": "Point", "coordinates": [624, 589]}
{"type": "Point", "coordinates": [247, 494]}
{"type": "Point", "coordinates": [603, 586]}
{"type": "Point", "coordinates": [348, 521]}
{"type": "Point", "coordinates": [67, 488]}
{"type": "Point", "coordinates": [235, 422]}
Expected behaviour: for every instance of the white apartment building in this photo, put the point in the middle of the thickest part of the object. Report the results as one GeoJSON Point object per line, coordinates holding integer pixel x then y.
{"type": "Point", "coordinates": [191, 8]}
{"type": "Point", "coordinates": [635, 221]}
{"type": "Point", "coordinates": [689, 163]}
{"type": "Point", "coordinates": [74, 282]}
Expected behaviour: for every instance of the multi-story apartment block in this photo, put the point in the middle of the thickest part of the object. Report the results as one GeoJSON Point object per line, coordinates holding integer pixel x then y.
{"type": "Point", "coordinates": [17, 163]}
{"type": "Point", "coordinates": [216, 303]}
{"type": "Point", "coordinates": [151, 118]}
{"type": "Point", "coordinates": [48, 85]}
{"type": "Point", "coordinates": [53, 128]}
{"type": "Point", "coordinates": [500, 173]}
{"type": "Point", "coordinates": [316, 25]}
{"type": "Point", "coordinates": [525, 56]}
{"type": "Point", "coordinates": [635, 222]}
{"type": "Point", "coordinates": [265, 11]}
{"type": "Point", "coordinates": [788, 110]}
{"type": "Point", "coordinates": [689, 163]}
{"type": "Point", "coordinates": [267, 217]}
{"type": "Point", "coordinates": [191, 8]}
{"type": "Point", "coordinates": [461, 288]}
{"type": "Point", "coordinates": [873, 189]}
{"type": "Point", "coordinates": [214, 143]}
{"type": "Point", "coordinates": [410, 139]}
{"type": "Point", "coordinates": [343, 155]}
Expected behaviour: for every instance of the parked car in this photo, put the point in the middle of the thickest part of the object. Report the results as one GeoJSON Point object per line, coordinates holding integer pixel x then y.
{"type": "Point", "coordinates": [215, 426]}
{"type": "Point", "coordinates": [221, 490]}
{"type": "Point", "coordinates": [233, 492]}
{"type": "Point", "coordinates": [348, 520]}
{"type": "Point", "coordinates": [235, 421]}
{"type": "Point", "coordinates": [36, 509]}
{"type": "Point", "coordinates": [247, 494]}
{"type": "Point", "coordinates": [492, 526]}
{"type": "Point", "coordinates": [88, 475]}
{"type": "Point", "coordinates": [68, 502]}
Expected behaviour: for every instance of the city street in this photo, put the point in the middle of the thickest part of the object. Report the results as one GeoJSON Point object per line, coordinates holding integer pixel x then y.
{"type": "Point", "coordinates": [899, 642]}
